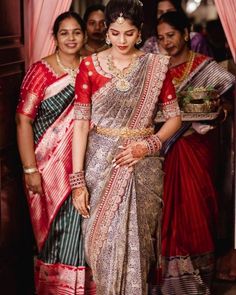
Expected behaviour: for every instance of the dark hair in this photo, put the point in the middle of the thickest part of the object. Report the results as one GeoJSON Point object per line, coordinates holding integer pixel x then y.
{"type": "Point", "coordinates": [65, 15]}
{"type": "Point", "coordinates": [92, 8]}
{"type": "Point", "coordinates": [176, 3]}
{"type": "Point", "coordinates": [130, 9]}
{"type": "Point", "coordinates": [175, 19]}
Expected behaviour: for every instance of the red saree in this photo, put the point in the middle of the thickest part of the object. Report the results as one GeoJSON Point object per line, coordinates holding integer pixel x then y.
{"type": "Point", "coordinates": [190, 198]}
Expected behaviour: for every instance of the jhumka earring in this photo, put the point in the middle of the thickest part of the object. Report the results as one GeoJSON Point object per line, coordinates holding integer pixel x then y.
{"type": "Point", "coordinates": [139, 41]}
{"type": "Point", "coordinates": [120, 20]}
{"type": "Point", "coordinates": [108, 41]}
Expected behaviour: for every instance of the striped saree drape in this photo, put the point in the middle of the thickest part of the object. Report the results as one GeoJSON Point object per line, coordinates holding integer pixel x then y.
{"type": "Point", "coordinates": [60, 266]}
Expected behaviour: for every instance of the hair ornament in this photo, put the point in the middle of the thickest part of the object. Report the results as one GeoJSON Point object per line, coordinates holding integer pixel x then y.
{"type": "Point", "coordinates": [140, 3]}
{"type": "Point", "coordinates": [120, 19]}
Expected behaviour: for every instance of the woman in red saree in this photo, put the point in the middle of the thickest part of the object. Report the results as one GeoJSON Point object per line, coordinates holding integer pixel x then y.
{"type": "Point", "coordinates": [190, 199]}
{"type": "Point", "coordinates": [117, 173]}
{"type": "Point", "coordinates": [44, 130]}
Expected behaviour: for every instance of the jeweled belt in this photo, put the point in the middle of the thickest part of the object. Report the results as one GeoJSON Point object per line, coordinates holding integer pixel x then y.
{"type": "Point", "coordinates": [124, 132]}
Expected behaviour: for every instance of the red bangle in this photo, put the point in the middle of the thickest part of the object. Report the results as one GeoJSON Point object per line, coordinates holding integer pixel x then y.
{"type": "Point", "coordinates": [77, 180]}
{"type": "Point", "coordinates": [153, 143]}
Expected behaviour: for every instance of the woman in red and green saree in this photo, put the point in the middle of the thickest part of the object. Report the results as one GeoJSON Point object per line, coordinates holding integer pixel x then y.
{"type": "Point", "coordinates": [117, 171]}
{"type": "Point", "coordinates": [190, 198]}
{"type": "Point", "coordinates": [44, 130]}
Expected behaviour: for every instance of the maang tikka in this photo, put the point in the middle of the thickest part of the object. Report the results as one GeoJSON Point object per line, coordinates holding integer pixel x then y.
{"type": "Point", "coordinates": [120, 19]}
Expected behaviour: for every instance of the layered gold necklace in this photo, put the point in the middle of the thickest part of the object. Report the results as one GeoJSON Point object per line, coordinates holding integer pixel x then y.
{"type": "Point", "coordinates": [122, 83]}
{"type": "Point", "coordinates": [69, 70]}
{"type": "Point", "coordinates": [187, 70]}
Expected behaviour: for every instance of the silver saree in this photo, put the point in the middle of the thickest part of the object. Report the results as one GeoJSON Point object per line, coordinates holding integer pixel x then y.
{"type": "Point", "coordinates": [121, 235]}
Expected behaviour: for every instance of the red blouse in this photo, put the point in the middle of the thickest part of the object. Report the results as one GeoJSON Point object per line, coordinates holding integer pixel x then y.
{"type": "Point", "coordinates": [91, 78]}
{"type": "Point", "coordinates": [36, 81]}
{"type": "Point", "coordinates": [178, 71]}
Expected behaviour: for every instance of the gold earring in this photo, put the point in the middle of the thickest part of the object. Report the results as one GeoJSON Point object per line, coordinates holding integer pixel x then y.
{"type": "Point", "coordinates": [108, 41]}
{"type": "Point", "coordinates": [139, 41]}
{"type": "Point", "coordinates": [186, 39]}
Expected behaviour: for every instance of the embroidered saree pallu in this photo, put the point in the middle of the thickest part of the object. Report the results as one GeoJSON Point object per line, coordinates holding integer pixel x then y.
{"type": "Point", "coordinates": [121, 233]}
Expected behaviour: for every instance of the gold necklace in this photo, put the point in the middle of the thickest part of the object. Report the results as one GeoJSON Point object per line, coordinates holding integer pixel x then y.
{"type": "Point", "coordinates": [91, 49]}
{"type": "Point", "coordinates": [187, 70]}
{"type": "Point", "coordinates": [70, 71]}
{"type": "Point", "coordinates": [122, 84]}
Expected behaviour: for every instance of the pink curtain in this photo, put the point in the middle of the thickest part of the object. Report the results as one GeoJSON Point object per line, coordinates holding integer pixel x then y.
{"type": "Point", "coordinates": [227, 13]}
{"type": "Point", "coordinates": [39, 18]}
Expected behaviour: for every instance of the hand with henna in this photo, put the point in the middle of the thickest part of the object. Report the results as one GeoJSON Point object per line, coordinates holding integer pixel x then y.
{"type": "Point", "coordinates": [131, 154]}
{"type": "Point", "coordinates": [80, 198]}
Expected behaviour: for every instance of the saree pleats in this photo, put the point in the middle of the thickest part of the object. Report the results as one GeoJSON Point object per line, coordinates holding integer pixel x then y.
{"type": "Point", "coordinates": [64, 242]}
{"type": "Point", "coordinates": [188, 233]}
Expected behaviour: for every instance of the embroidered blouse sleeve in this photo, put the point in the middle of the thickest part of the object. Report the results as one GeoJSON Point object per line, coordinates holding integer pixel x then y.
{"type": "Point", "coordinates": [168, 102]}
{"type": "Point", "coordinates": [83, 92]}
{"type": "Point", "coordinates": [32, 90]}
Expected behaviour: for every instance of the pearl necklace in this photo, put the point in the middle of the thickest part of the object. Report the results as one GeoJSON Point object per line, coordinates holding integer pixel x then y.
{"type": "Point", "coordinates": [70, 71]}
{"type": "Point", "coordinates": [122, 84]}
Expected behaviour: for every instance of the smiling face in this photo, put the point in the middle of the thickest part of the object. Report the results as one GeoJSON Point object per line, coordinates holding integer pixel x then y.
{"type": "Point", "coordinates": [171, 39]}
{"type": "Point", "coordinates": [70, 37]}
{"type": "Point", "coordinates": [123, 36]}
{"type": "Point", "coordinates": [96, 26]}
{"type": "Point", "coordinates": [163, 7]}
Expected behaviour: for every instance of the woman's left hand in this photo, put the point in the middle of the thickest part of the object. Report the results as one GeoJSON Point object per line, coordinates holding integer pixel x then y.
{"type": "Point", "coordinates": [131, 154]}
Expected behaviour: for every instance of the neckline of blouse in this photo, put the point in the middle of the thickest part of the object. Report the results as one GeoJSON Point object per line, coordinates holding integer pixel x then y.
{"type": "Point", "coordinates": [51, 70]}
{"type": "Point", "coordinates": [100, 70]}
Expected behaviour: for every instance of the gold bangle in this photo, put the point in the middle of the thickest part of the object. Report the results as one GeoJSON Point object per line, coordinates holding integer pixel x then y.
{"type": "Point", "coordinates": [30, 170]}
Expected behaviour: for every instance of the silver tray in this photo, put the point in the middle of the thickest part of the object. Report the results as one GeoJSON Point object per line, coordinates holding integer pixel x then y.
{"type": "Point", "coordinates": [191, 116]}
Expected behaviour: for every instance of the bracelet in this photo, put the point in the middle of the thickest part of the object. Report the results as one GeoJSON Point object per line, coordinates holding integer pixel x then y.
{"type": "Point", "coordinates": [77, 180]}
{"type": "Point", "coordinates": [30, 170]}
{"type": "Point", "coordinates": [153, 143]}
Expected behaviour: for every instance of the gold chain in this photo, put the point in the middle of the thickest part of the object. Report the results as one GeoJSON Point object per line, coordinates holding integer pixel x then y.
{"type": "Point", "coordinates": [187, 70]}
{"type": "Point", "coordinates": [71, 71]}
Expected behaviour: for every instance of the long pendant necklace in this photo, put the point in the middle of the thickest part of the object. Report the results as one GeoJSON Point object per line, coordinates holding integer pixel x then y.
{"type": "Point", "coordinates": [187, 70]}
{"type": "Point", "coordinates": [122, 84]}
{"type": "Point", "coordinates": [70, 71]}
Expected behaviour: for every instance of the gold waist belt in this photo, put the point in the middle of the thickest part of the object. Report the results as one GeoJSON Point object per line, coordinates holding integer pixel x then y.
{"type": "Point", "coordinates": [124, 132]}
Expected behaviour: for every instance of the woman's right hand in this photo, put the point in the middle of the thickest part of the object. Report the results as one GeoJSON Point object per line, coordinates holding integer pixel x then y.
{"type": "Point", "coordinates": [80, 197]}
{"type": "Point", "coordinates": [33, 183]}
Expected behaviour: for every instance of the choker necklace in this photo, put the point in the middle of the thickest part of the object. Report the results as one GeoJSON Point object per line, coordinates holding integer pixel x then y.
{"type": "Point", "coordinates": [122, 84]}
{"type": "Point", "coordinates": [91, 49]}
{"type": "Point", "coordinates": [70, 71]}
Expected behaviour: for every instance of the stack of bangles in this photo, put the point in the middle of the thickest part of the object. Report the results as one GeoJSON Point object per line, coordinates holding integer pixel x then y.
{"type": "Point", "coordinates": [30, 170]}
{"type": "Point", "coordinates": [153, 144]}
{"type": "Point", "coordinates": [77, 180]}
